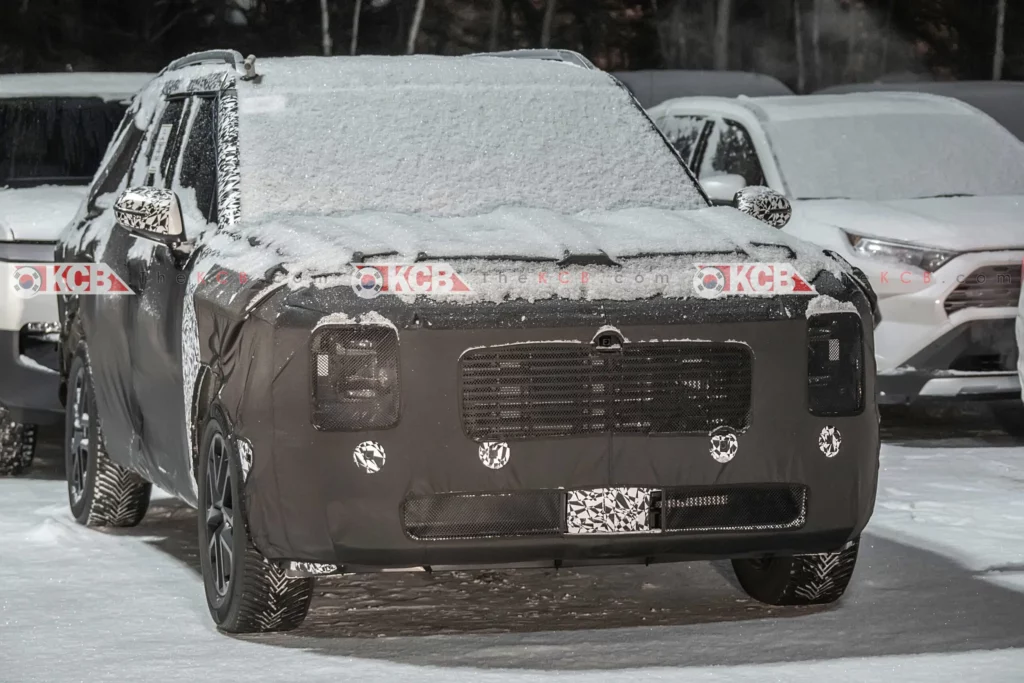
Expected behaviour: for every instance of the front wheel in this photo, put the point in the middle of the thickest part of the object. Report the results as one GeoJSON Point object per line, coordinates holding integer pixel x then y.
{"type": "Point", "coordinates": [101, 492]}
{"type": "Point", "coordinates": [244, 591]}
{"type": "Point", "coordinates": [816, 579]}
{"type": "Point", "coordinates": [17, 444]}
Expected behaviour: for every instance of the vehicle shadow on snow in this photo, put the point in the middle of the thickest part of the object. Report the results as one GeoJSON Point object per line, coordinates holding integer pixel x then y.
{"type": "Point", "coordinates": [903, 600]}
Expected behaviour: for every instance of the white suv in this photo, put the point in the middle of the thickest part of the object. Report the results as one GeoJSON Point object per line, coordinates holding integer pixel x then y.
{"type": "Point", "coordinates": [925, 194]}
{"type": "Point", "coordinates": [54, 130]}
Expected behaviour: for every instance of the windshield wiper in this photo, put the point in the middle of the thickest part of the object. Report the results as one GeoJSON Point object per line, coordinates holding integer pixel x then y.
{"type": "Point", "coordinates": [946, 196]}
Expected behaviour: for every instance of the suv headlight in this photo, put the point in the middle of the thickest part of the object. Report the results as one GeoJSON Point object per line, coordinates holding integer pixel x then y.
{"type": "Point", "coordinates": [835, 364]}
{"type": "Point", "coordinates": [355, 377]}
{"type": "Point", "coordinates": [901, 252]}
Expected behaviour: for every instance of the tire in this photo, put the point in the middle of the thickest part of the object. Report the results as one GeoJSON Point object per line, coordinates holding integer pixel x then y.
{"type": "Point", "coordinates": [245, 592]}
{"type": "Point", "coordinates": [101, 492]}
{"type": "Point", "coordinates": [17, 445]}
{"type": "Point", "coordinates": [817, 579]}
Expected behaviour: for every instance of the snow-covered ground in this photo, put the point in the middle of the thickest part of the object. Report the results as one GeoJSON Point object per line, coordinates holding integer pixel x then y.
{"type": "Point", "coordinates": [938, 595]}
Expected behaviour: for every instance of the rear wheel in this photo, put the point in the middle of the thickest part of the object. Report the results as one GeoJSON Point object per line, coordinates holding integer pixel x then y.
{"type": "Point", "coordinates": [244, 591]}
{"type": "Point", "coordinates": [798, 579]}
{"type": "Point", "coordinates": [17, 444]}
{"type": "Point", "coordinates": [101, 492]}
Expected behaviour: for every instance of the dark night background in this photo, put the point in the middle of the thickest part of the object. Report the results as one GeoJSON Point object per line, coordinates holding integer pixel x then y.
{"type": "Point", "coordinates": [806, 43]}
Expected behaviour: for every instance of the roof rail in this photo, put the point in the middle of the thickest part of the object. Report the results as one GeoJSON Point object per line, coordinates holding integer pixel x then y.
{"type": "Point", "coordinates": [232, 57]}
{"type": "Point", "coordinates": [567, 56]}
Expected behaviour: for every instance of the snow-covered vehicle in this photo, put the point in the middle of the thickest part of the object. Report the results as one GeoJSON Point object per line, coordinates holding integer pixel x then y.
{"type": "Point", "coordinates": [582, 396]}
{"type": "Point", "coordinates": [54, 129]}
{"type": "Point", "coordinates": [654, 86]}
{"type": "Point", "coordinates": [924, 194]}
{"type": "Point", "coordinates": [1002, 100]}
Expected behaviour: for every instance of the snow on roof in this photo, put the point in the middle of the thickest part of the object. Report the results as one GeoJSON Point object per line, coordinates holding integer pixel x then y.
{"type": "Point", "coordinates": [852, 105]}
{"type": "Point", "coordinates": [447, 136]}
{"type": "Point", "coordinates": [108, 86]}
{"type": "Point", "coordinates": [1002, 100]}
{"type": "Point", "coordinates": [654, 86]}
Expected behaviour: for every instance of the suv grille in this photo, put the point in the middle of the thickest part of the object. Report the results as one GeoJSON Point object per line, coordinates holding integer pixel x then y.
{"type": "Point", "coordinates": [532, 391]}
{"type": "Point", "coordinates": [733, 508]}
{"type": "Point", "coordinates": [987, 287]}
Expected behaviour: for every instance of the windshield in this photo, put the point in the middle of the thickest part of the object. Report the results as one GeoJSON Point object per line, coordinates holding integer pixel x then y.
{"type": "Point", "coordinates": [881, 157]}
{"type": "Point", "coordinates": [54, 141]}
{"type": "Point", "coordinates": [456, 149]}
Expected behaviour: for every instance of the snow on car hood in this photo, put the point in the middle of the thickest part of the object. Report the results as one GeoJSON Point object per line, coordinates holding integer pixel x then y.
{"type": "Point", "coordinates": [37, 214]}
{"type": "Point", "coordinates": [954, 223]}
{"type": "Point", "coordinates": [503, 240]}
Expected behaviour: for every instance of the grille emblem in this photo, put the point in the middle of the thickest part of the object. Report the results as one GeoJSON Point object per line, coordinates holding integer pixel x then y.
{"type": "Point", "coordinates": [608, 341]}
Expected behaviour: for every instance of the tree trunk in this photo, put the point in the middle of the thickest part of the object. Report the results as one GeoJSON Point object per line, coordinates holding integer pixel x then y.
{"type": "Point", "coordinates": [887, 38]}
{"type": "Point", "coordinates": [325, 28]}
{"type": "Point", "coordinates": [722, 34]}
{"type": "Point", "coordinates": [798, 29]}
{"type": "Point", "coordinates": [549, 18]}
{"type": "Point", "coordinates": [354, 46]}
{"type": "Point", "coordinates": [414, 32]}
{"type": "Point", "coordinates": [495, 24]}
{"type": "Point", "coordinates": [816, 42]}
{"type": "Point", "coordinates": [997, 64]}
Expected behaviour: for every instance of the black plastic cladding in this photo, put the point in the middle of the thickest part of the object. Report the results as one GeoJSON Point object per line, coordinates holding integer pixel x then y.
{"type": "Point", "coordinates": [835, 364]}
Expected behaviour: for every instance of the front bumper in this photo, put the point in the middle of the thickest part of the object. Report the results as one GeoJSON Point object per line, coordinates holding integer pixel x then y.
{"type": "Point", "coordinates": [309, 502]}
{"type": "Point", "coordinates": [28, 380]}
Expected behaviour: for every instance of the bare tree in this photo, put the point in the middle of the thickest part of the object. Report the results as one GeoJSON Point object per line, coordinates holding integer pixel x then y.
{"type": "Point", "coordinates": [798, 30]}
{"type": "Point", "coordinates": [816, 42]}
{"type": "Point", "coordinates": [325, 28]}
{"type": "Point", "coordinates": [887, 38]}
{"type": "Point", "coordinates": [354, 45]}
{"type": "Point", "coordinates": [997, 64]}
{"type": "Point", "coordinates": [495, 24]}
{"type": "Point", "coordinates": [549, 18]}
{"type": "Point", "coordinates": [414, 32]}
{"type": "Point", "coordinates": [722, 34]}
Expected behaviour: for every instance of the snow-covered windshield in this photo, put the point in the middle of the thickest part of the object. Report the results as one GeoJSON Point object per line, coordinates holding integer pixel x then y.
{"type": "Point", "coordinates": [54, 140]}
{"type": "Point", "coordinates": [889, 156]}
{"type": "Point", "coordinates": [448, 137]}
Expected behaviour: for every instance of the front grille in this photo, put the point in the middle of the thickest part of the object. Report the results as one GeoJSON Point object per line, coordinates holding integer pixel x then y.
{"type": "Point", "coordinates": [483, 515]}
{"type": "Point", "coordinates": [533, 391]}
{"type": "Point", "coordinates": [987, 287]}
{"type": "Point", "coordinates": [694, 509]}
{"type": "Point", "coordinates": [737, 508]}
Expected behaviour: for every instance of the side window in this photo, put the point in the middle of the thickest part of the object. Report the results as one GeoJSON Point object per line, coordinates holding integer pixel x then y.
{"type": "Point", "coordinates": [110, 178]}
{"type": "Point", "coordinates": [730, 150]}
{"type": "Point", "coordinates": [683, 132]}
{"type": "Point", "coordinates": [166, 143]}
{"type": "Point", "coordinates": [199, 160]}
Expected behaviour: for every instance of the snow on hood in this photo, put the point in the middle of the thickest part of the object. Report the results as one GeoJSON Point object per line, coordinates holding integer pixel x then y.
{"type": "Point", "coordinates": [504, 241]}
{"type": "Point", "coordinates": [953, 223]}
{"type": "Point", "coordinates": [38, 214]}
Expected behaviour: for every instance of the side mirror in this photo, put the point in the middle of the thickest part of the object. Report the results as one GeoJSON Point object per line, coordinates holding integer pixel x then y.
{"type": "Point", "coordinates": [721, 189]}
{"type": "Point", "coordinates": [766, 205]}
{"type": "Point", "coordinates": [151, 212]}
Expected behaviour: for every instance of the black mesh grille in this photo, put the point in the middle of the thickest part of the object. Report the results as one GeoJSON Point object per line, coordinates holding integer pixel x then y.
{"type": "Point", "coordinates": [987, 287]}
{"type": "Point", "coordinates": [723, 508]}
{"type": "Point", "coordinates": [355, 377]}
{"type": "Point", "coordinates": [835, 364]}
{"type": "Point", "coordinates": [525, 391]}
{"type": "Point", "coordinates": [479, 515]}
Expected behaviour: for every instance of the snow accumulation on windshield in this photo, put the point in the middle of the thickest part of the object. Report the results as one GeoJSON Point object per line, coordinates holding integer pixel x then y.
{"type": "Point", "coordinates": [899, 153]}
{"type": "Point", "coordinates": [447, 137]}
